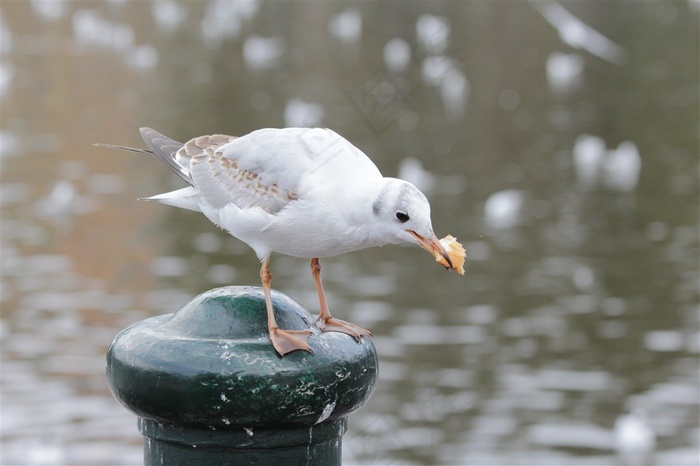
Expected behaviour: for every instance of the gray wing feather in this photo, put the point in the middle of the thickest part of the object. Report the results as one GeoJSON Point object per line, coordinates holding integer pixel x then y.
{"type": "Point", "coordinates": [164, 149]}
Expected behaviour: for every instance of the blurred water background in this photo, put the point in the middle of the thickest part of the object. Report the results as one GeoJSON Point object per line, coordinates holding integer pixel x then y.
{"type": "Point", "coordinates": [557, 141]}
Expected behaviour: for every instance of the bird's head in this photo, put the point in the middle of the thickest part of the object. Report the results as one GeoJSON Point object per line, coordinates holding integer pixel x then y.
{"type": "Point", "coordinates": [404, 213]}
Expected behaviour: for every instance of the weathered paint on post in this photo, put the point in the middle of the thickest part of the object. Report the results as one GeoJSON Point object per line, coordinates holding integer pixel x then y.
{"type": "Point", "coordinates": [209, 388]}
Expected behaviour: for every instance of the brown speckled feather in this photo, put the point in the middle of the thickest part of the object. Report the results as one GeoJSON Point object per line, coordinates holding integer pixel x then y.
{"type": "Point", "coordinates": [222, 181]}
{"type": "Point", "coordinates": [202, 145]}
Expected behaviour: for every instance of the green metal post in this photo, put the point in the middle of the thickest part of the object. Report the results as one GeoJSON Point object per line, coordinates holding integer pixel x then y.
{"type": "Point", "coordinates": [209, 389]}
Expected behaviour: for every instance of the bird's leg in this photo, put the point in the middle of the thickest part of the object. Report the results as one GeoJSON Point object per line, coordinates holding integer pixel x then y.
{"type": "Point", "coordinates": [284, 341]}
{"type": "Point", "coordinates": [326, 322]}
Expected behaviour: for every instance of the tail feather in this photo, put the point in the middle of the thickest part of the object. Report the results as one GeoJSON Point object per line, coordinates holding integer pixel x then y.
{"type": "Point", "coordinates": [185, 198]}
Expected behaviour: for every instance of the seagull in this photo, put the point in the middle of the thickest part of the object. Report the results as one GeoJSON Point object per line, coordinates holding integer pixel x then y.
{"type": "Point", "coordinates": [302, 192]}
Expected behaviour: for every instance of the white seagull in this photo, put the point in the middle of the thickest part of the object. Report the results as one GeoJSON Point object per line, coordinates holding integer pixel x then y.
{"type": "Point", "coordinates": [303, 192]}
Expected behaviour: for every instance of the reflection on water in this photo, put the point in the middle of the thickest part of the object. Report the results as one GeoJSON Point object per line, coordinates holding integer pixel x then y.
{"type": "Point", "coordinates": [558, 142]}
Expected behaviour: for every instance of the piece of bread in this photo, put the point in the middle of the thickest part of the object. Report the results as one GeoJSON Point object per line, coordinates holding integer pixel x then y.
{"type": "Point", "coordinates": [456, 253]}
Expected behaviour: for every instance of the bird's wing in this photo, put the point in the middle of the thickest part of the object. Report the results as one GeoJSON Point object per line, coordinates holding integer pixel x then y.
{"type": "Point", "coordinates": [164, 149]}
{"type": "Point", "coordinates": [270, 168]}
{"type": "Point", "coordinates": [200, 146]}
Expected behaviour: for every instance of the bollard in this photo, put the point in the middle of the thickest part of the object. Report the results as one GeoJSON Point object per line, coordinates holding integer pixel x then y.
{"type": "Point", "coordinates": [209, 389]}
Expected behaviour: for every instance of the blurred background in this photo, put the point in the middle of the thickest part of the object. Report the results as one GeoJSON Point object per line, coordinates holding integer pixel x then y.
{"type": "Point", "coordinates": [557, 141]}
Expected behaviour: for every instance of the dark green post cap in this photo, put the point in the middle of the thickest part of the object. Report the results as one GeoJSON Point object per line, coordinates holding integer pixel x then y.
{"type": "Point", "coordinates": [209, 387]}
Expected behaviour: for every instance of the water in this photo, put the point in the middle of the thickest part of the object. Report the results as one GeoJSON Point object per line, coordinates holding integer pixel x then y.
{"type": "Point", "coordinates": [559, 144]}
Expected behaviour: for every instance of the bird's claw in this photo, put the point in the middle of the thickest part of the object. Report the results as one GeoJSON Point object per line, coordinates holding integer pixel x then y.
{"type": "Point", "coordinates": [331, 324]}
{"type": "Point", "coordinates": [286, 341]}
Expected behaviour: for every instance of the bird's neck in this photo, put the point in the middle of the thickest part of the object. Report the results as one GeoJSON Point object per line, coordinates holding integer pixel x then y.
{"type": "Point", "coordinates": [363, 222]}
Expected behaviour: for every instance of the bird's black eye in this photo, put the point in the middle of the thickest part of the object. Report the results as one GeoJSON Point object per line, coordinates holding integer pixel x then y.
{"type": "Point", "coordinates": [402, 217]}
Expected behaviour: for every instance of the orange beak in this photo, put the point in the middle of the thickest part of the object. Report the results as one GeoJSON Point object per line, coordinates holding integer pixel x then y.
{"type": "Point", "coordinates": [433, 246]}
